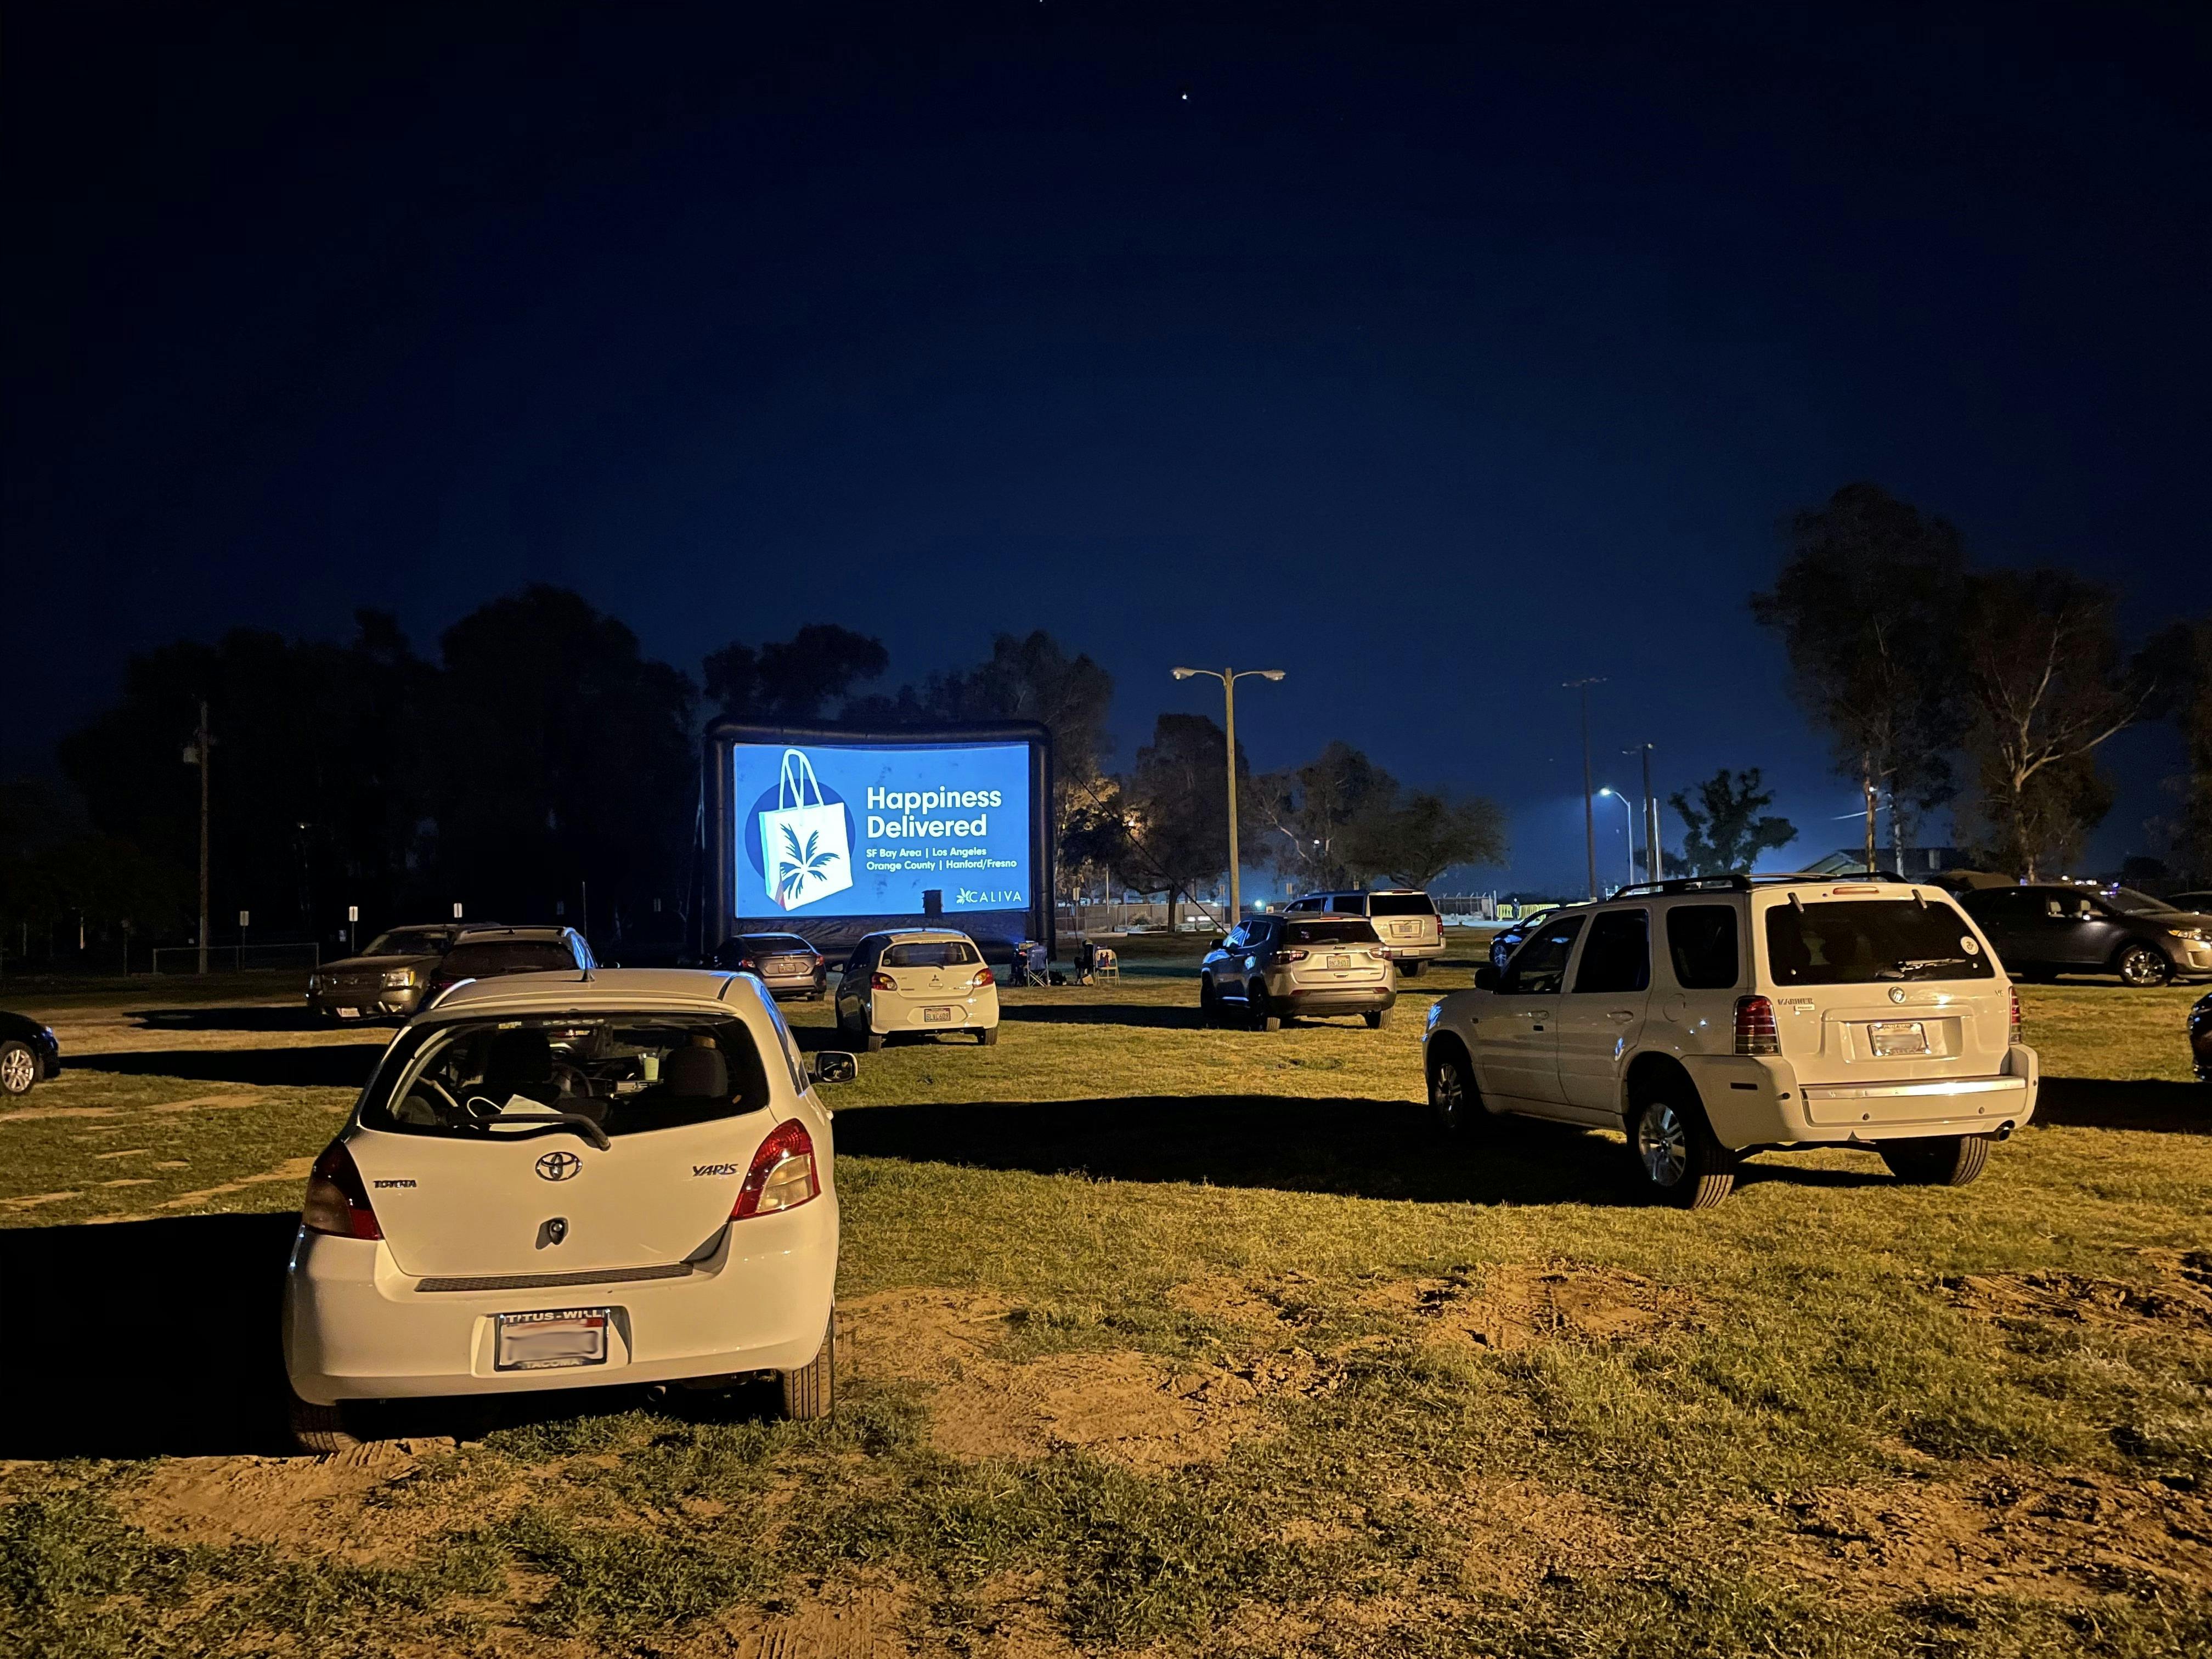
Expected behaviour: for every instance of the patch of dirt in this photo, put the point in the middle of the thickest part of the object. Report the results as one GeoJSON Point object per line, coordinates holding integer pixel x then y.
{"type": "Point", "coordinates": [2006, 1528]}
{"type": "Point", "coordinates": [864, 1625]}
{"type": "Point", "coordinates": [1130, 1408]}
{"type": "Point", "coordinates": [1524, 1534]}
{"type": "Point", "coordinates": [2177, 1302]}
{"type": "Point", "coordinates": [1513, 1307]}
{"type": "Point", "coordinates": [314, 1504]}
{"type": "Point", "coordinates": [35, 1199]}
{"type": "Point", "coordinates": [25, 1114]}
{"type": "Point", "coordinates": [291, 1169]}
{"type": "Point", "coordinates": [1237, 1301]}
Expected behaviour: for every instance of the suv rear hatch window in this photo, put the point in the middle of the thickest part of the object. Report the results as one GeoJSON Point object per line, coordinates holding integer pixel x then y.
{"type": "Point", "coordinates": [1332, 930]}
{"type": "Point", "coordinates": [1863, 941]}
{"type": "Point", "coordinates": [1400, 904]}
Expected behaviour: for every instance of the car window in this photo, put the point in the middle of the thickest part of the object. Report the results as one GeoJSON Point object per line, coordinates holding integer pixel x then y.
{"type": "Point", "coordinates": [1258, 933]}
{"type": "Point", "coordinates": [408, 942]}
{"type": "Point", "coordinates": [1308, 903]}
{"type": "Point", "coordinates": [1859, 942]}
{"type": "Point", "coordinates": [776, 943]}
{"type": "Point", "coordinates": [931, 953]}
{"type": "Point", "coordinates": [1329, 930]}
{"type": "Point", "coordinates": [799, 1081]}
{"type": "Point", "coordinates": [1617, 957]}
{"type": "Point", "coordinates": [2129, 903]}
{"type": "Point", "coordinates": [1400, 904]}
{"type": "Point", "coordinates": [521, 956]}
{"type": "Point", "coordinates": [1701, 944]}
{"type": "Point", "coordinates": [1540, 966]}
{"type": "Point", "coordinates": [1348, 904]}
{"type": "Point", "coordinates": [630, 1073]}
{"type": "Point", "coordinates": [2067, 907]}
{"type": "Point", "coordinates": [1235, 940]}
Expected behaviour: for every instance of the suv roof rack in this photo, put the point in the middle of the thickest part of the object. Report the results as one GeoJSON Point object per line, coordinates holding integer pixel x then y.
{"type": "Point", "coordinates": [1743, 883]}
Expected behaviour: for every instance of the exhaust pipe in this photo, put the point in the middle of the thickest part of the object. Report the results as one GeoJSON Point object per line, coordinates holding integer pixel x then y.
{"type": "Point", "coordinates": [2004, 1131]}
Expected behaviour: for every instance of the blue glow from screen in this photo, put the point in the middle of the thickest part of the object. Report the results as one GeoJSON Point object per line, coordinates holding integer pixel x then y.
{"type": "Point", "coordinates": [830, 831]}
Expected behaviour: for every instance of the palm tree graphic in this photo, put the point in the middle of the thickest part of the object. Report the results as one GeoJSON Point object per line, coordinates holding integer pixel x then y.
{"type": "Point", "coordinates": [801, 865]}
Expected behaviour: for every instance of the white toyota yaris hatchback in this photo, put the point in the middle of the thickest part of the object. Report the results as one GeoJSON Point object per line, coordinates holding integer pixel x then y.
{"type": "Point", "coordinates": [559, 1179]}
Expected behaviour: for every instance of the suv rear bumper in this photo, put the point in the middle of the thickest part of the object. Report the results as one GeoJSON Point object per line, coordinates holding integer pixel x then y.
{"type": "Point", "coordinates": [1336, 999]}
{"type": "Point", "coordinates": [1411, 951]}
{"type": "Point", "coordinates": [1756, 1101]}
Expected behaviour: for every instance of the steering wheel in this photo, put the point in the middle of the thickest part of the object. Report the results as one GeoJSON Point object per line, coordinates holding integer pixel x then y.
{"type": "Point", "coordinates": [445, 1104]}
{"type": "Point", "coordinates": [574, 1084]}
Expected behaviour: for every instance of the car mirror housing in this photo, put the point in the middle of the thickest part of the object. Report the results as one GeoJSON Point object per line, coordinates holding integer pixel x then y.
{"type": "Point", "coordinates": [833, 1066]}
{"type": "Point", "coordinates": [1485, 978]}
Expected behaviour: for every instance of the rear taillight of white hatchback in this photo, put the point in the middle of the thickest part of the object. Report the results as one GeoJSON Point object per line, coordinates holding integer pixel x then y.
{"type": "Point", "coordinates": [783, 1176]}
{"type": "Point", "coordinates": [336, 1202]}
{"type": "Point", "coordinates": [1755, 1030]}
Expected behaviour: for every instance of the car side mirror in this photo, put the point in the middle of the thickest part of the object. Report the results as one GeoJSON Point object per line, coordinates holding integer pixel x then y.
{"type": "Point", "coordinates": [1485, 978]}
{"type": "Point", "coordinates": [833, 1066]}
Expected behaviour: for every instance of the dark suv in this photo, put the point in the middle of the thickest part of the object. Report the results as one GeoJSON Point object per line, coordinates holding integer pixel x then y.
{"type": "Point", "coordinates": [402, 970]}
{"type": "Point", "coordinates": [2043, 929]}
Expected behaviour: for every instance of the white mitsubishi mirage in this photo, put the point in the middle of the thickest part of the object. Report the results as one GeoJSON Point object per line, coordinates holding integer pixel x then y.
{"type": "Point", "coordinates": [559, 1179]}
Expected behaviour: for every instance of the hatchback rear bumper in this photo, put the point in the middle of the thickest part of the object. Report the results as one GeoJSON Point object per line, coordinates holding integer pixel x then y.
{"type": "Point", "coordinates": [357, 1328]}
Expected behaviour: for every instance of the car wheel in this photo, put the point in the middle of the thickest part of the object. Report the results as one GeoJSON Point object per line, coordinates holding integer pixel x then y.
{"type": "Point", "coordinates": [321, 1430]}
{"type": "Point", "coordinates": [1264, 1017]}
{"type": "Point", "coordinates": [1377, 1018]}
{"type": "Point", "coordinates": [2142, 966]}
{"type": "Point", "coordinates": [1677, 1156]}
{"type": "Point", "coordinates": [1936, 1160]}
{"type": "Point", "coordinates": [810, 1393]}
{"type": "Point", "coordinates": [1411, 967]}
{"type": "Point", "coordinates": [1452, 1096]}
{"type": "Point", "coordinates": [19, 1068]}
{"type": "Point", "coordinates": [1209, 1002]}
{"type": "Point", "coordinates": [989, 1036]}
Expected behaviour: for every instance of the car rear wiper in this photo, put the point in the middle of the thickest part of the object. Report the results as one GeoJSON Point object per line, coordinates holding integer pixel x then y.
{"type": "Point", "coordinates": [1904, 969]}
{"type": "Point", "coordinates": [552, 1123]}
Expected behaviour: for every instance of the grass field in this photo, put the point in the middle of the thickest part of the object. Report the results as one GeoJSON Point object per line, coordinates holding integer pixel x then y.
{"type": "Point", "coordinates": [1170, 1341]}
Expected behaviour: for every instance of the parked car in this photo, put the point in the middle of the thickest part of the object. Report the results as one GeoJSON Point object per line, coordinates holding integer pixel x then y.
{"type": "Point", "coordinates": [555, 1184]}
{"type": "Point", "coordinates": [1411, 933]}
{"type": "Point", "coordinates": [1717, 1018]}
{"type": "Point", "coordinates": [1508, 938]}
{"type": "Point", "coordinates": [2043, 929]}
{"type": "Point", "coordinates": [785, 963]}
{"type": "Point", "coordinates": [400, 971]}
{"type": "Point", "coordinates": [2200, 903]}
{"type": "Point", "coordinates": [1279, 967]}
{"type": "Point", "coordinates": [918, 980]}
{"type": "Point", "coordinates": [29, 1055]}
{"type": "Point", "coordinates": [2200, 1037]}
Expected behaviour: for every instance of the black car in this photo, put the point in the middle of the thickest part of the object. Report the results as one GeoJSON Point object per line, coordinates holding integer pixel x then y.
{"type": "Point", "coordinates": [1507, 940]}
{"type": "Point", "coordinates": [785, 963]}
{"type": "Point", "coordinates": [2200, 1037]}
{"type": "Point", "coordinates": [2043, 929]}
{"type": "Point", "coordinates": [29, 1055]}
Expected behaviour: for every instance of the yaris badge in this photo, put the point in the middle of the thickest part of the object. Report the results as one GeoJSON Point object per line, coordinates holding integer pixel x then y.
{"type": "Point", "coordinates": [559, 1166]}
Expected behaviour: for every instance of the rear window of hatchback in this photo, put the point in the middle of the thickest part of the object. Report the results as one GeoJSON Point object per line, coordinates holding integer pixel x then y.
{"type": "Point", "coordinates": [931, 953]}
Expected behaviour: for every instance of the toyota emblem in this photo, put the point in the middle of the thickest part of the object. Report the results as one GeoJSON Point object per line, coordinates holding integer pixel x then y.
{"type": "Point", "coordinates": [1896, 994]}
{"type": "Point", "coordinates": [559, 1166]}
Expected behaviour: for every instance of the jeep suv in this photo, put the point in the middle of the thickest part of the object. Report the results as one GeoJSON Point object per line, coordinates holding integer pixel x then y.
{"type": "Point", "coordinates": [1714, 1019]}
{"type": "Point", "coordinates": [1278, 967]}
{"type": "Point", "coordinates": [1406, 922]}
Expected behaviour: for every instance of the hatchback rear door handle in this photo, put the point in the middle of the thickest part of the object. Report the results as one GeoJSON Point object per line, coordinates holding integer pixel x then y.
{"type": "Point", "coordinates": [1622, 1014]}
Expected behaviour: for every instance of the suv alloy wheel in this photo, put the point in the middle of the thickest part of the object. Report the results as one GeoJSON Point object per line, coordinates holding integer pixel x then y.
{"type": "Point", "coordinates": [2142, 966]}
{"type": "Point", "coordinates": [1677, 1156]}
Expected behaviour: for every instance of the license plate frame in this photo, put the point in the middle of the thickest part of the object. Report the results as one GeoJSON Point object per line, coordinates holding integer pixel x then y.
{"type": "Point", "coordinates": [550, 1339]}
{"type": "Point", "coordinates": [349, 1013]}
{"type": "Point", "coordinates": [1338, 964]}
{"type": "Point", "coordinates": [937, 1016]}
{"type": "Point", "coordinates": [1899, 1039]}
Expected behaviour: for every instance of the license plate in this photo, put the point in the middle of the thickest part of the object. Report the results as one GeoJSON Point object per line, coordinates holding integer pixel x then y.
{"type": "Point", "coordinates": [1340, 961]}
{"type": "Point", "coordinates": [544, 1341]}
{"type": "Point", "coordinates": [1894, 1037]}
{"type": "Point", "coordinates": [349, 1013]}
{"type": "Point", "coordinates": [1406, 929]}
{"type": "Point", "coordinates": [937, 1016]}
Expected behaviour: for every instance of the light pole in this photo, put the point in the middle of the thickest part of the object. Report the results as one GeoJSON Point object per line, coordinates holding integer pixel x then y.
{"type": "Point", "coordinates": [1589, 812]}
{"type": "Point", "coordinates": [1228, 676]}
{"type": "Point", "coordinates": [1654, 862]}
{"type": "Point", "coordinates": [1628, 828]}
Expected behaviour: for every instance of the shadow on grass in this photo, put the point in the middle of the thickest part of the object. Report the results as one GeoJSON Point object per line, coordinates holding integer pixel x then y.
{"type": "Point", "coordinates": [226, 1019]}
{"type": "Point", "coordinates": [330, 1066]}
{"type": "Point", "coordinates": [148, 1338]}
{"type": "Point", "coordinates": [1152, 1015]}
{"type": "Point", "coordinates": [1353, 1148]}
{"type": "Point", "coordinates": [2175, 1109]}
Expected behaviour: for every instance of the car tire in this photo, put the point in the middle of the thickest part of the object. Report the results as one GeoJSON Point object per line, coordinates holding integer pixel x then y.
{"type": "Point", "coordinates": [1264, 1017]}
{"type": "Point", "coordinates": [2142, 966]}
{"type": "Point", "coordinates": [989, 1036]}
{"type": "Point", "coordinates": [1411, 967]}
{"type": "Point", "coordinates": [1455, 1101]}
{"type": "Point", "coordinates": [1673, 1150]}
{"type": "Point", "coordinates": [1936, 1160]}
{"type": "Point", "coordinates": [19, 1068]}
{"type": "Point", "coordinates": [1377, 1018]}
{"type": "Point", "coordinates": [1209, 1002]}
{"type": "Point", "coordinates": [321, 1430]}
{"type": "Point", "coordinates": [810, 1393]}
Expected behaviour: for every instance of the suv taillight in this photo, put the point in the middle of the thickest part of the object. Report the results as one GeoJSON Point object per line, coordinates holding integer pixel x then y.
{"type": "Point", "coordinates": [1284, 958]}
{"type": "Point", "coordinates": [2013, 1029]}
{"type": "Point", "coordinates": [983, 977]}
{"type": "Point", "coordinates": [882, 982]}
{"type": "Point", "coordinates": [336, 1202]}
{"type": "Point", "coordinates": [782, 1175]}
{"type": "Point", "coordinates": [1755, 1031]}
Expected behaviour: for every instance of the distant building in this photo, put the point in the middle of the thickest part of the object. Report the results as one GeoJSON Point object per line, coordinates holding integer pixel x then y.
{"type": "Point", "coordinates": [1913, 861]}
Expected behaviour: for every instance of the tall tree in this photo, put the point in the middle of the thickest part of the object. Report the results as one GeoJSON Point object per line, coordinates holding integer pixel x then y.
{"type": "Point", "coordinates": [1176, 807]}
{"type": "Point", "coordinates": [2049, 687]}
{"type": "Point", "coordinates": [1728, 827]}
{"type": "Point", "coordinates": [1868, 605]}
{"type": "Point", "coordinates": [1411, 841]}
{"type": "Point", "coordinates": [1305, 814]}
{"type": "Point", "coordinates": [795, 680]}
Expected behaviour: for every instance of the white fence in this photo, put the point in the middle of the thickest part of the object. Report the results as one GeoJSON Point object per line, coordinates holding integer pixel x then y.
{"type": "Point", "coordinates": [236, 958]}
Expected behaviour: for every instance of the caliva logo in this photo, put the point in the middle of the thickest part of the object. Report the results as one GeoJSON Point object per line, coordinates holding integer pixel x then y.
{"type": "Point", "coordinates": [989, 896]}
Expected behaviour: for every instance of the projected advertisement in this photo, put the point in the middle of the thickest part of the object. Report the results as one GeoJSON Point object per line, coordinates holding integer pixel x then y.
{"type": "Point", "coordinates": [827, 830]}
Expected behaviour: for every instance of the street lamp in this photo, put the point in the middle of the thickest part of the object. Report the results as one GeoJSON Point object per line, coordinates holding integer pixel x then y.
{"type": "Point", "coordinates": [1628, 829]}
{"type": "Point", "coordinates": [1228, 676]}
{"type": "Point", "coordinates": [1590, 816]}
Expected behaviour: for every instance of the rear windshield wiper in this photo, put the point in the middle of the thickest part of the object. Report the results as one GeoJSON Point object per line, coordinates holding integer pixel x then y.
{"type": "Point", "coordinates": [1905, 969]}
{"type": "Point", "coordinates": [553, 1123]}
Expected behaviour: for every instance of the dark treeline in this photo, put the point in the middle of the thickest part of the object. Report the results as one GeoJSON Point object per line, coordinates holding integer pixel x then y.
{"type": "Point", "coordinates": [541, 752]}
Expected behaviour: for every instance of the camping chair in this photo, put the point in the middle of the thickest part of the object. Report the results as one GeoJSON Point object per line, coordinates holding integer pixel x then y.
{"type": "Point", "coordinates": [1105, 966]}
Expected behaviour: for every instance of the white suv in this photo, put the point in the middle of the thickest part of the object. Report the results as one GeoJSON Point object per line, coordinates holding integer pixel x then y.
{"type": "Point", "coordinates": [1411, 931]}
{"type": "Point", "coordinates": [1715, 1018]}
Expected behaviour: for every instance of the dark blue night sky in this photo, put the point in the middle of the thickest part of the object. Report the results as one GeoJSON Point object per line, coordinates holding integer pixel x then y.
{"type": "Point", "coordinates": [1440, 360]}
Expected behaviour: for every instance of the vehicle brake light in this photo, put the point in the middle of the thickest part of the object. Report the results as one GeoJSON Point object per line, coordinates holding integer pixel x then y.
{"type": "Point", "coordinates": [1755, 1030]}
{"type": "Point", "coordinates": [882, 982]}
{"type": "Point", "coordinates": [782, 1175]}
{"type": "Point", "coordinates": [983, 977]}
{"type": "Point", "coordinates": [336, 1202]}
{"type": "Point", "coordinates": [1284, 958]}
{"type": "Point", "coordinates": [2013, 1030]}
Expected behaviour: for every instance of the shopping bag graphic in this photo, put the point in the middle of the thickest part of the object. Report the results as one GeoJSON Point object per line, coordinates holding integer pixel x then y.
{"type": "Point", "coordinates": [805, 853]}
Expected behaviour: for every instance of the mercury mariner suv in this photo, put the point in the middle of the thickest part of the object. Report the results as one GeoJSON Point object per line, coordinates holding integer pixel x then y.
{"type": "Point", "coordinates": [1714, 1019]}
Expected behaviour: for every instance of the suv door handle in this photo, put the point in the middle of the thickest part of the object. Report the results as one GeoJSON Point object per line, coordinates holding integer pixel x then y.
{"type": "Point", "coordinates": [1621, 1015]}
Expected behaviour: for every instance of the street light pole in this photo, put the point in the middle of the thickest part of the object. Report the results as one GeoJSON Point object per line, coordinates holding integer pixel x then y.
{"type": "Point", "coordinates": [1654, 861]}
{"type": "Point", "coordinates": [1628, 828]}
{"type": "Point", "coordinates": [1229, 676]}
{"type": "Point", "coordinates": [1589, 810]}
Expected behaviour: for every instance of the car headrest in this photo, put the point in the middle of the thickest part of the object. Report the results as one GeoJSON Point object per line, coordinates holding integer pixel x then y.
{"type": "Point", "coordinates": [523, 1054]}
{"type": "Point", "coordinates": [697, 1074]}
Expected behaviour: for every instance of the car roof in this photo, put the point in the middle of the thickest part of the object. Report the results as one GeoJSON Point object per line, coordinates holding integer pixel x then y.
{"type": "Point", "coordinates": [602, 989]}
{"type": "Point", "coordinates": [913, 935]}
